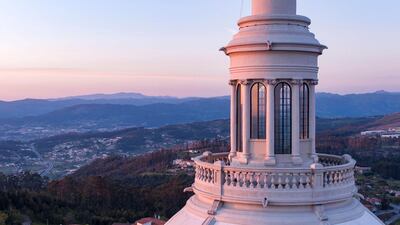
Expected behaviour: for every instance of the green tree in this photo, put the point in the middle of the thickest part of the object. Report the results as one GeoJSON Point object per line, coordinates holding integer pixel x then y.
{"type": "Point", "coordinates": [3, 218]}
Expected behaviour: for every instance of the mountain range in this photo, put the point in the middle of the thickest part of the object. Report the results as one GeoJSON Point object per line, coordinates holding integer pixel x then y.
{"type": "Point", "coordinates": [328, 105]}
{"type": "Point", "coordinates": [34, 118]}
{"type": "Point", "coordinates": [35, 107]}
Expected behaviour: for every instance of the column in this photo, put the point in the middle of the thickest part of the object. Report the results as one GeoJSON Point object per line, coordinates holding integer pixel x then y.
{"type": "Point", "coordinates": [312, 117]}
{"type": "Point", "coordinates": [233, 85]}
{"type": "Point", "coordinates": [246, 121]}
{"type": "Point", "coordinates": [270, 126]}
{"type": "Point", "coordinates": [296, 158]}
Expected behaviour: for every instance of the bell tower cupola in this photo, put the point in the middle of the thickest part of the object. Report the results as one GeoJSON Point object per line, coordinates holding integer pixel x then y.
{"type": "Point", "coordinates": [274, 70]}
{"type": "Point", "coordinates": [272, 174]}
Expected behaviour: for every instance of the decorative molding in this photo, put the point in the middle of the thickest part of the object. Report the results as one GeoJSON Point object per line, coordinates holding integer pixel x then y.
{"type": "Point", "coordinates": [295, 82]}
{"type": "Point", "coordinates": [188, 189]}
{"type": "Point", "coordinates": [233, 82]}
{"type": "Point", "coordinates": [269, 45]}
{"type": "Point", "coordinates": [314, 82]}
{"type": "Point", "coordinates": [245, 82]}
{"type": "Point", "coordinates": [271, 82]}
{"type": "Point", "coordinates": [275, 68]}
{"type": "Point", "coordinates": [319, 210]}
{"type": "Point", "coordinates": [209, 220]}
{"type": "Point", "coordinates": [223, 49]}
{"type": "Point", "coordinates": [215, 206]}
{"type": "Point", "coordinates": [265, 202]}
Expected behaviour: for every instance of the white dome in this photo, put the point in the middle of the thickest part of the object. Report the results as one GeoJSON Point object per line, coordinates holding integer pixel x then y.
{"type": "Point", "coordinates": [195, 213]}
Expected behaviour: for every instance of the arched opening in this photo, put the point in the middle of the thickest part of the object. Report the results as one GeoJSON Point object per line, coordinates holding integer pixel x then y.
{"type": "Point", "coordinates": [258, 111]}
{"type": "Point", "coordinates": [283, 118]}
{"type": "Point", "coordinates": [239, 112]}
{"type": "Point", "coordinates": [304, 111]}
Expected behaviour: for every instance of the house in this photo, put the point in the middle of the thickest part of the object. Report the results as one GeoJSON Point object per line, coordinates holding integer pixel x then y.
{"type": "Point", "coordinates": [363, 170]}
{"type": "Point", "coordinates": [394, 193]}
{"type": "Point", "coordinates": [372, 132]}
{"type": "Point", "coordinates": [149, 221]}
{"type": "Point", "coordinates": [374, 201]}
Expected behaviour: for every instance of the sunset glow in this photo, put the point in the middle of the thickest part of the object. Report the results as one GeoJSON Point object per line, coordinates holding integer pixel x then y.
{"type": "Point", "coordinates": [61, 48]}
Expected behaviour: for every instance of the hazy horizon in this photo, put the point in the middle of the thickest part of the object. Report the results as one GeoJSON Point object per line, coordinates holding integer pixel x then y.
{"type": "Point", "coordinates": [171, 96]}
{"type": "Point", "coordinates": [69, 47]}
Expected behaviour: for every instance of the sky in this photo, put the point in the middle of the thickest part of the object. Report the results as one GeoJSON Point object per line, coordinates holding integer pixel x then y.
{"type": "Point", "coordinates": [61, 48]}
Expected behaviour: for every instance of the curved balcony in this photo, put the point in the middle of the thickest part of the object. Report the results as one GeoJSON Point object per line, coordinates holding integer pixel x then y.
{"type": "Point", "coordinates": [329, 180]}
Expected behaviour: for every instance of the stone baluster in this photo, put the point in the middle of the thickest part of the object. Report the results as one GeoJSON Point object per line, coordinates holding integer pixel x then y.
{"type": "Point", "coordinates": [258, 180]}
{"type": "Point", "coordinates": [273, 181]}
{"type": "Point", "coordinates": [251, 180]}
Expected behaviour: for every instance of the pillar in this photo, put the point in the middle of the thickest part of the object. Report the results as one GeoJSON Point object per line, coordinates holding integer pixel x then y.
{"type": "Point", "coordinates": [312, 117]}
{"type": "Point", "coordinates": [270, 126]}
{"type": "Point", "coordinates": [246, 121]}
{"type": "Point", "coordinates": [233, 85]}
{"type": "Point", "coordinates": [296, 158]}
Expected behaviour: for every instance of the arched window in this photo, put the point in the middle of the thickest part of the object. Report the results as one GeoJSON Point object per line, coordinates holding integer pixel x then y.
{"type": "Point", "coordinates": [283, 118]}
{"type": "Point", "coordinates": [258, 104]}
{"type": "Point", "coordinates": [239, 112]}
{"type": "Point", "coordinates": [304, 111]}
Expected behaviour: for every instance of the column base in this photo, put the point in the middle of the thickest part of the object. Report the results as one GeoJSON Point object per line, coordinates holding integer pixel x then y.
{"type": "Point", "coordinates": [315, 158]}
{"type": "Point", "coordinates": [270, 161]}
{"type": "Point", "coordinates": [244, 159]}
{"type": "Point", "coordinates": [231, 155]}
{"type": "Point", "coordinates": [297, 160]}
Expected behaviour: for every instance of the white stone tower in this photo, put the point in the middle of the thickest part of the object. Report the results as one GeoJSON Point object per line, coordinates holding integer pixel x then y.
{"type": "Point", "coordinates": [273, 175]}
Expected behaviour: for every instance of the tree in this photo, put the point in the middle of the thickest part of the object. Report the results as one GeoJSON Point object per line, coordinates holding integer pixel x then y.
{"type": "Point", "coordinates": [3, 218]}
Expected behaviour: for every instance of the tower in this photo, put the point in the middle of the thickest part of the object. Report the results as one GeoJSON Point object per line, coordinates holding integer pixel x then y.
{"type": "Point", "coordinates": [272, 174]}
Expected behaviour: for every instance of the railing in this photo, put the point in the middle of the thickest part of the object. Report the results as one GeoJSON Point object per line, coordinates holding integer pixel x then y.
{"type": "Point", "coordinates": [331, 179]}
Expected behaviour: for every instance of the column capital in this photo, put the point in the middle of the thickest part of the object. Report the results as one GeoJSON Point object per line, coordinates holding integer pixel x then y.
{"type": "Point", "coordinates": [233, 82]}
{"type": "Point", "coordinates": [296, 82]}
{"type": "Point", "coordinates": [271, 81]}
{"type": "Point", "coordinates": [311, 82]}
{"type": "Point", "coordinates": [290, 81]}
{"type": "Point", "coordinates": [245, 82]}
{"type": "Point", "coordinates": [314, 82]}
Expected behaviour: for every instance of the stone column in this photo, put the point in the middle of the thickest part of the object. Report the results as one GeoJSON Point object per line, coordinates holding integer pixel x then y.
{"type": "Point", "coordinates": [312, 117]}
{"type": "Point", "coordinates": [296, 122]}
{"type": "Point", "coordinates": [246, 121]}
{"type": "Point", "coordinates": [233, 119]}
{"type": "Point", "coordinates": [270, 126]}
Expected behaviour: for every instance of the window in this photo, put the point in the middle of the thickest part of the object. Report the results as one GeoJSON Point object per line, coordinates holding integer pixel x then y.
{"type": "Point", "coordinates": [258, 115]}
{"type": "Point", "coordinates": [304, 111]}
{"type": "Point", "coordinates": [239, 107]}
{"type": "Point", "coordinates": [283, 118]}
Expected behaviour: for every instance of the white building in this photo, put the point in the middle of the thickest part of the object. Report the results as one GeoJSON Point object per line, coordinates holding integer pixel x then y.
{"type": "Point", "coordinates": [372, 132]}
{"type": "Point", "coordinates": [273, 175]}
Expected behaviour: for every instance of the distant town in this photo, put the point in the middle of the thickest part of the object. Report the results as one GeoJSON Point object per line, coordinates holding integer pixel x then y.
{"type": "Point", "coordinates": [388, 133]}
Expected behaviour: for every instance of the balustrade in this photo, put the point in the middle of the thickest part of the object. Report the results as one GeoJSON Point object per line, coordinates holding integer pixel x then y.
{"type": "Point", "coordinates": [333, 172]}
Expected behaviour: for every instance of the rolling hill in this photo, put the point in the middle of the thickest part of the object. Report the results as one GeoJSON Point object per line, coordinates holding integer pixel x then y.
{"type": "Point", "coordinates": [328, 105]}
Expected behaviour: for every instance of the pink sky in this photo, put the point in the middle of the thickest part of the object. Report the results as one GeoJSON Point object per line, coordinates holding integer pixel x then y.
{"type": "Point", "coordinates": [62, 48]}
{"type": "Point", "coordinates": [51, 83]}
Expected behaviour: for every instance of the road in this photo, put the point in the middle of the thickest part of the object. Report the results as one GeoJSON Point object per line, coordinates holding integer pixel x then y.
{"type": "Point", "coordinates": [49, 164]}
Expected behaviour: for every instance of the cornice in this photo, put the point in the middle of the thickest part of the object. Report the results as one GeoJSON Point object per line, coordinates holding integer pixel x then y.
{"type": "Point", "coordinates": [274, 81]}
